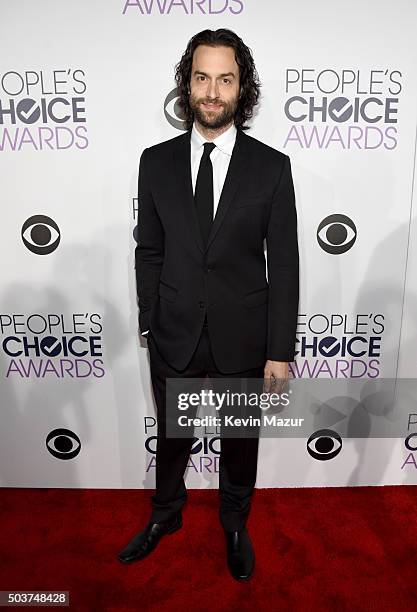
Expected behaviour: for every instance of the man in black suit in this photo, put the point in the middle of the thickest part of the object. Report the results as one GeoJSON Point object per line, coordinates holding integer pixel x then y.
{"type": "Point", "coordinates": [207, 200]}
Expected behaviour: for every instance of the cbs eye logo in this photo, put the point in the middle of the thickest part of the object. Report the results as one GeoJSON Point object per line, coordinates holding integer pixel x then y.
{"type": "Point", "coordinates": [173, 112]}
{"type": "Point", "coordinates": [336, 234]}
{"type": "Point", "coordinates": [40, 234]}
{"type": "Point", "coordinates": [324, 444]}
{"type": "Point", "coordinates": [63, 444]}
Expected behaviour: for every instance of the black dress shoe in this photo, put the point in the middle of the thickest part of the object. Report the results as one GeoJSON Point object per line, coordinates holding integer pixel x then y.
{"type": "Point", "coordinates": [240, 554]}
{"type": "Point", "coordinates": [146, 541]}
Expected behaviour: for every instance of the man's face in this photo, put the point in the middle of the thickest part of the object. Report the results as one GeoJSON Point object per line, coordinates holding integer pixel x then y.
{"type": "Point", "coordinates": [214, 86]}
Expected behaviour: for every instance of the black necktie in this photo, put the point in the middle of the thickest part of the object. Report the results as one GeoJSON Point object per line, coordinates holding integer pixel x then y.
{"type": "Point", "coordinates": [203, 192]}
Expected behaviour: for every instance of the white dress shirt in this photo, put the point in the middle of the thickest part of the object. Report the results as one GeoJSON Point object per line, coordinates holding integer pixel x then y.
{"type": "Point", "coordinates": [220, 159]}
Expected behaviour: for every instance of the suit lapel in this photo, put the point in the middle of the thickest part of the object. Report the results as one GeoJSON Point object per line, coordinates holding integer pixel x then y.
{"type": "Point", "coordinates": [236, 171]}
{"type": "Point", "coordinates": [182, 162]}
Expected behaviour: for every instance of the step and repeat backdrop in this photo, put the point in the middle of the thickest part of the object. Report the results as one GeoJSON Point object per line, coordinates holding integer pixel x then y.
{"type": "Point", "coordinates": [84, 88]}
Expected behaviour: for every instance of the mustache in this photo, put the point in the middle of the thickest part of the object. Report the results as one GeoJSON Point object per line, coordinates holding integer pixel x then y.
{"type": "Point", "coordinates": [210, 102]}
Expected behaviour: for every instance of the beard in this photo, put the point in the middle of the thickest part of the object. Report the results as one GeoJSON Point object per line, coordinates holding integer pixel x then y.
{"type": "Point", "coordinates": [213, 119]}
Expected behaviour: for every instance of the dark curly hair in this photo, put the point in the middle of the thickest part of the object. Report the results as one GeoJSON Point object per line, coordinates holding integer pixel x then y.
{"type": "Point", "coordinates": [248, 76]}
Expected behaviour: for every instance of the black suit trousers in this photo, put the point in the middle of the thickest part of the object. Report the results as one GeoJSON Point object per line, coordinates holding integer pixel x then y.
{"type": "Point", "coordinates": [238, 456]}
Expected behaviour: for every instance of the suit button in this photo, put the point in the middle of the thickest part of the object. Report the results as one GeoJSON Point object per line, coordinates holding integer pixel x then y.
{"type": "Point", "coordinates": [201, 304]}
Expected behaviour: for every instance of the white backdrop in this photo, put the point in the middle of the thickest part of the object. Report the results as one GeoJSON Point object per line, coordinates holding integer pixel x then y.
{"type": "Point", "coordinates": [84, 88]}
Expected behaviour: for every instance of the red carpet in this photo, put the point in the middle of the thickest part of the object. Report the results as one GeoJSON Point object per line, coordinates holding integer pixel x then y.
{"type": "Point", "coordinates": [316, 549]}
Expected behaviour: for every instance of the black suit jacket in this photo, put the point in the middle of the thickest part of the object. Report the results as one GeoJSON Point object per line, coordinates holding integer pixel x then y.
{"type": "Point", "coordinates": [250, 318]}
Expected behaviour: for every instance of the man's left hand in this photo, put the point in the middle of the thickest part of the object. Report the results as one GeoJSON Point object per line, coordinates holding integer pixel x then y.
{"type": "Point", "coordinates": [276, 374]}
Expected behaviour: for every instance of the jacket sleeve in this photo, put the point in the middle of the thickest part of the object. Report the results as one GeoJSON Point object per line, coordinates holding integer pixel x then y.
{"type": "Point", "coordinates": [283, 269]}
{"type": "Point", "coordinates": [149, 252]}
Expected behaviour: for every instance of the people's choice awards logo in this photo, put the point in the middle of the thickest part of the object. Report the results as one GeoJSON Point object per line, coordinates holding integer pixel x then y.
{"type": "Point", "coordinates": [204, 454]}
{"type": "Point", "coordinates": [342, 109]}
{"type": "Point", "coordinates": [52, 345]}
{"type": "Point", "coordinates": [336, 234]}
{"type": "Point", "coordinates": [182, 7]}
{"type": "Point", "coordinates": [40, 234]}
{"type": "Point", "coordinates": [43, 110]}
{"type": "Point", "coordinates": [337, 345]}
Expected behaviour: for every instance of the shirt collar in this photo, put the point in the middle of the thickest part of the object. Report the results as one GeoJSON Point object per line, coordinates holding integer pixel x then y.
{"type": "Point", "coordinates": [225, 142]}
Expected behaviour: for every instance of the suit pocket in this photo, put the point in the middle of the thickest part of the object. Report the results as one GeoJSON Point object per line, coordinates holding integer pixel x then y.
{"type": "Point", "coordinates": [167, 292]}
{"type": "Point", "coordinates": [256, 298]}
